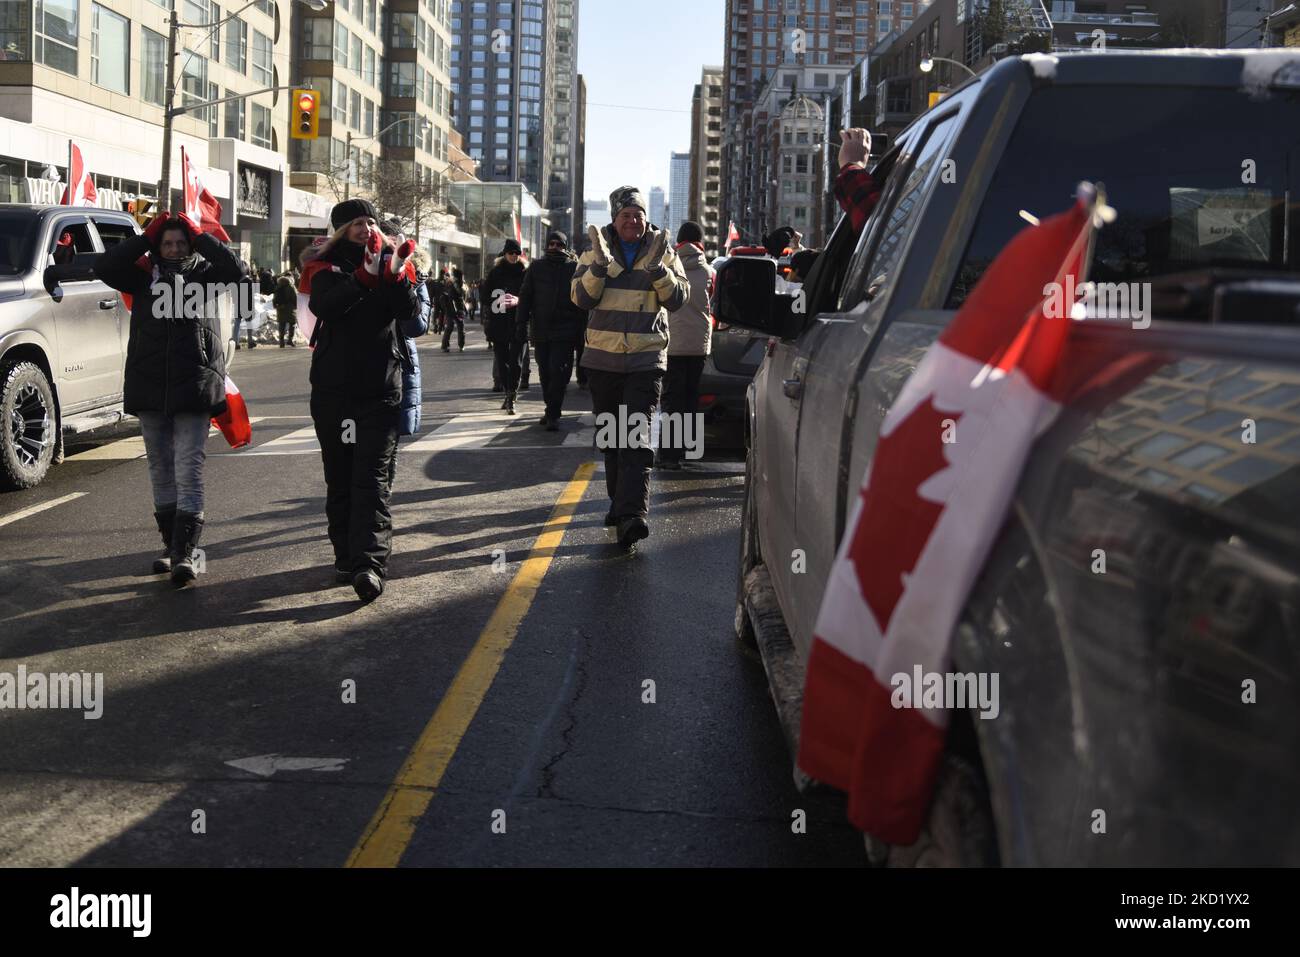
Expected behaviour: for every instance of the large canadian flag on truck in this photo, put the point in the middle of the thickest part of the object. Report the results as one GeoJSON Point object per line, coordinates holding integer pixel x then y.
{"type": "Point", "coordinates": [936, 494]}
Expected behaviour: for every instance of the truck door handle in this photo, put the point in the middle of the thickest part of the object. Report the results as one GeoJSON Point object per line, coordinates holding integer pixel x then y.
{"type": "Point", "coordinates": [108, 303]}
{"type": "Point", "coordinates": [793, 388]}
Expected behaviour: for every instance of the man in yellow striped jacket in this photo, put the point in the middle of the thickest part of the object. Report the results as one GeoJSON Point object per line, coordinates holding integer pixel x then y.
{"type": "Point", "coordinates": [629, 281]}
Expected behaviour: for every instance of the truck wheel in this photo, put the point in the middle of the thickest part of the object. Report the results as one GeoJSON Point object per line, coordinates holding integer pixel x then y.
{"type": "Point", "coordinates": [749, 556]}
{"type": "Point", "coordinates": [28, 425]}
{"type": "Point", "coordinates": [959, 828]}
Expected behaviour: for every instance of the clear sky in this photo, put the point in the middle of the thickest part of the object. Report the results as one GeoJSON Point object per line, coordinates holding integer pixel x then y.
{"type": "Point", "coordinates": [647, 54]}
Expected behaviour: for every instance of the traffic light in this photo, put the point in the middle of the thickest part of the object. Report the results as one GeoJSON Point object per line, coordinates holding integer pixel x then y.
{"type": "Point", "coordinates": [306, 114]}
{"type": "Point", "coordinates": [140, 209]}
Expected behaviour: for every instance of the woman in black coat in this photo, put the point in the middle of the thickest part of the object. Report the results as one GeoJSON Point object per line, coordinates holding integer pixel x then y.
{"type": "Point", "coordinates": [175, 367]}
{"type": "Point", "coordinates": [361, 293]}
{"type": "Point", "coordinates": [501, 299]}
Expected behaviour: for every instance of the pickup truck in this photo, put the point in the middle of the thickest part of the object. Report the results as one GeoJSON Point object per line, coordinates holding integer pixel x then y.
{"type": "Point", "coordinates": [1163, 693]}
{"type": "Point", "coordinates": [63, 334]}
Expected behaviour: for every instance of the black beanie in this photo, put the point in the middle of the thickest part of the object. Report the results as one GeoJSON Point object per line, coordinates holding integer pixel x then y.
{"type": "Point", "coordinates": [511, 247]}
{"type": "Point", "coordinates": [351, 209]}
{"type": "Point", "coordinates": [689, 232]}
{"type": "Point", "coordinates": [557, 236]}
{"type": "Point", "coordinates": [778, 239]}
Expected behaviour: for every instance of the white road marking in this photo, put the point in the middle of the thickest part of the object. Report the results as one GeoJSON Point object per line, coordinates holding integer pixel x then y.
{"type": "Point", "coordinates": [470, 430]}
{"type": "Point", "coordinates": [586, 434]}
{"type": "Point", "coordinates": [297, 442]}
{"type": "Point", "coordinates": [123, 450]}
{"type": "Point", "coordinates": [37, 509]}
{"type": "Point", "coordinates": [266, 765]}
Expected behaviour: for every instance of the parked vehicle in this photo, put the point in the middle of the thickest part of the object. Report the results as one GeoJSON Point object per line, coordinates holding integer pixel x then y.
{"type": "Point", "coordinates": [734, 357]}
{"type": "Point", "coordinates": [1120, 691]}
{"type": "Point", "coordinates": [63, 333]}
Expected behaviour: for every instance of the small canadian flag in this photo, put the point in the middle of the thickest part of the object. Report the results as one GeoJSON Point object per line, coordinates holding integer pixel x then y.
{"type": "Point", "coordinates": [80, 190]}
{"type": "Point", "coordinates": [733, 235]}
{"type": "Point", "coordinates": [201, 207]}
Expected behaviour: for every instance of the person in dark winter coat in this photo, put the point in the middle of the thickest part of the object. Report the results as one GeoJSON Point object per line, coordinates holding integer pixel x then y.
{"type": "Point", "coordinates": [175, 379]}
{"type": "Point", "coordinates": [552, 321]}
{"type": "Point", "coordinates": [453, 305]}
{"type": "Point", "coordinates": [285, 300]}
{"type": "Point", "coordinates": [501, 296]}
{"type": "Point", "coordinates": [266, 281]}
{"type": "Point", "coordinates": [362, 293]}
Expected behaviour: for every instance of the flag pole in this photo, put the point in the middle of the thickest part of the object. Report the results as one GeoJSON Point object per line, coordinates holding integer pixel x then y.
{"type": "Point", "coordinates": [67, 190]}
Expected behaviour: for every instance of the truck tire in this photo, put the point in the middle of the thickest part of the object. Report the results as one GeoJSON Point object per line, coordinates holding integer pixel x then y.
{"type": "Point", "coordinates": [749, 555]}
{"type": "Point", "coordinates": [28, 425]}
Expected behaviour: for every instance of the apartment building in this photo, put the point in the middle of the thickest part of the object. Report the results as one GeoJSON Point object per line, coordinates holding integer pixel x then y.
{"type": "Point", "coordinates": [679, 192]}
{"type": "Point", "coordinates": [705, 184]}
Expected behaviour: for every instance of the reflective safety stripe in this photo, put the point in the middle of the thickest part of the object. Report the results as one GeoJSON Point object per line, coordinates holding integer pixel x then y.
{"type": "Point", "coordinates": [629, 300]}
{"type": "Point", "coordinates": [621, 343]}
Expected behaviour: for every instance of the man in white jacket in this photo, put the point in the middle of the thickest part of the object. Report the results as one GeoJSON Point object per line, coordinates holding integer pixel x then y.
{"type": "Point", "coordinates": [690, 336]}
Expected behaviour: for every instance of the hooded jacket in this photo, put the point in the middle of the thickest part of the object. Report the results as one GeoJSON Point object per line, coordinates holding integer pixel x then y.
{"type": "Point", "coordinates": [172, 364]}
{"type": "Point", "coordinates": [546, 305]}
{"type": "Point", "coordinates": [627, 329]}
{"type": "Point", "coordinates": [690, 328]}
{"type": "Point", "coordinates": [359, 330]}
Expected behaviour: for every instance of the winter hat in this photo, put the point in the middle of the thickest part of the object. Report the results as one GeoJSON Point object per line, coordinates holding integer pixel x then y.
{"type": "Point", "coordinates": [391, 227]}
{"type": "Point", "coordinates": [626, 196]}
{"type": "Point", "coordinates": [690, 232]}
{"type": "Point", "coordinates": [511, 246]}
{"type": "Point", "coordinates": [351, 209]}
{"type": "Point", "coordinates": [557, 236]}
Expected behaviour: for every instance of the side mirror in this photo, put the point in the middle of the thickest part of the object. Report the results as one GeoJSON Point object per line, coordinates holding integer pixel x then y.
{"type": "Point", "coordinates": [745, 295]}
{"type": "Point", "coordinates": [80, 269]}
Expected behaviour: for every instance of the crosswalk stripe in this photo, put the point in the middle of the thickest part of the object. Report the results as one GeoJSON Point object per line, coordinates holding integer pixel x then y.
{"type": "Point", "coordinates": [586, 433]}
{"type": "Point", "coordinates": [297, 442]}
{"type": "Point", "coordinates": [470, 430]}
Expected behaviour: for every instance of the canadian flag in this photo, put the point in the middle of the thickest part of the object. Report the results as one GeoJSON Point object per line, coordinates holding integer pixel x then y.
{"type": "Point", "coordinates": [234, 422]}
{"type": "Point", "coordinates": [519, 233]}
{"type": "Point", "coordinates": [936, 494]}
{"type": "Point", "coordinates": [200, 207]}
{"type": "Point", "coordinates": [80, 190]}
{"type": "Point", "coordinates": [733, 236]}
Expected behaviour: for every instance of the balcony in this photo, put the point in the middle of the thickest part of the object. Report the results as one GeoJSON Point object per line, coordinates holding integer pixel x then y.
{"type": "Point", "coordinates": [894, 101]}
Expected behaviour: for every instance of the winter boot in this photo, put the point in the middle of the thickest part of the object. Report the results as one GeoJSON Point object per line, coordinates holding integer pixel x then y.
{"type": "Point", "coordinates": [165, 518]}
{"type": "Point", "coordinates": [185, 538]}
{"type": "Point", "coordinates": [510, 403]}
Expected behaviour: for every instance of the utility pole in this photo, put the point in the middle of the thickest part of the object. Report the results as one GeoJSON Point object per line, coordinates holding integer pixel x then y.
{"type": "Point", "coordinates": [165, 184]}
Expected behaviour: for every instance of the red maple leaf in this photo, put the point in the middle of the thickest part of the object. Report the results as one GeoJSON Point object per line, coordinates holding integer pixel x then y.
{"type": "Point", "coordinates": [895, 522]}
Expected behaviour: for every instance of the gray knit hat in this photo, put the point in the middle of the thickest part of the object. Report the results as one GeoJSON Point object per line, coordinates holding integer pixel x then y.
{"type": "Point", "coordinates": [626, 196]}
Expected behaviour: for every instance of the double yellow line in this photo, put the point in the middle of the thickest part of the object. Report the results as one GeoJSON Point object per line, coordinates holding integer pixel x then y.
{"type": "Point", "coordinates": [386, 837]}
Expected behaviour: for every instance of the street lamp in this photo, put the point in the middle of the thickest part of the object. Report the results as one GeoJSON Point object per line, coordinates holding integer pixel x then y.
{"type": "Point", "coordinates": [928, 64]}
{"type": "Point", "coordinates": [174, 26]}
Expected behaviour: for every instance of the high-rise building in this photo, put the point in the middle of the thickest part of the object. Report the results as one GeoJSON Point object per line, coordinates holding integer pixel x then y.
{"type": "Point", "coordinates": [658, 211]}
{"type": "Point", "coordinates": [596, 213]}
{"type": "Point", "coordinates": [705, 189]}
{"type": "Point", "coordinates": [504, 89]}
{"type": "Point", "coordinates": [762, 38]}
{"type": "Point", "coordinates": [679, 192]}
{"type": "Point", "coordinates": [563, 65]}
{"type": "Point", "coordinates": [580, 163]}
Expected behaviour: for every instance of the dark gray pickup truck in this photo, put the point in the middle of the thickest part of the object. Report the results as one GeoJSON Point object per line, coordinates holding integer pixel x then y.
{"type": "Point", "coordinates": [1165, 692]}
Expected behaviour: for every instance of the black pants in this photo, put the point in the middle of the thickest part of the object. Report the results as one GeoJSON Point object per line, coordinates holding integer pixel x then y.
{"type": "Point", "coordinates": [627, 470]}
{"type": "Point", "coordinates": [459, 323]}
{"type": "Point", "coordinates": [525, 362]}
{"type": "Point", "coordinates": [357, 477]}
{"type": "Point", "coordinates": [554, 368]}
{"type": "Point", "coordinates": [577, 358]}
{"type": "Point", "coordinates": [681, 395]}
{"type": "Point", "coordinates": [508, 348]}
{"type": "Point", "coordinates": [287, 322]}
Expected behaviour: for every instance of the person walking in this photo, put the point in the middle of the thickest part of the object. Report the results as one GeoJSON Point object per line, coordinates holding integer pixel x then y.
{"type": "Point", "coordinates": [629, 281]}
{"type": "Point", "coordinates": [552, 321]}
{"type": "Point", "coordinates": [412, 405]}
{"type": "Point", "coordinates": [690, 335]}
{"type": "Point", "coordinates": [362, 294]}
{"type": "Point", "coordinates": [501, 296]}
{"type": "Point", "coordinates": [453, 308]}
{"type": "Point", "coordinates": [285, 300]}
{"type": "Point", "coordinates": [266, 281]}
{"type": "Point", "coordinates": [175, 373]}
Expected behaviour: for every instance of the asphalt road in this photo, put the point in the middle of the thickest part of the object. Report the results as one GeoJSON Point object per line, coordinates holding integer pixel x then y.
{"type": "Point", "coordinates": [424, 729]}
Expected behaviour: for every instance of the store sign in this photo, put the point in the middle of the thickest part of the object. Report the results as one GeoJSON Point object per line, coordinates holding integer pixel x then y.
{"type": "Point", "coordinates": [49, 192]}
{"type": "Point", "coordinates": [254, 192]}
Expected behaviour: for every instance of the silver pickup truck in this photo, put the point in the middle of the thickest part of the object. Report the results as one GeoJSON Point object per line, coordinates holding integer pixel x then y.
{"type": "Point", "coordinates": [1135, 691]}
{"type": "Point", "coordinates": [63, 333]}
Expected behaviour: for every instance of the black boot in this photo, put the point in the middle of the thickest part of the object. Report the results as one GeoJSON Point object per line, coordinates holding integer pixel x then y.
{"type": "Point", "coordinates": [165, 518]}
{"type": "Point", "coordinates": [185, 538]}
{"type": "Point", "coordinates": [510, 403]}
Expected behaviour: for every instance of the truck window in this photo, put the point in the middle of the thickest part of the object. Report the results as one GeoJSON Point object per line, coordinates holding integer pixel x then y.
{"type": "Point", "coordinates": [111, 231]}
{"type": "Point", "coordinates": [872, 273]}
{"type": "Point", "coordinates": [1200, 178]}
{"type": "Point", "coordinates": [69, 238]}
{"type": "Point", "coordinates": [17, 241]}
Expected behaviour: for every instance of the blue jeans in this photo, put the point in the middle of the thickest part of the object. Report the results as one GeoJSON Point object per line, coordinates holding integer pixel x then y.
{"type": "Point", "coordinates": [175, 445]}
